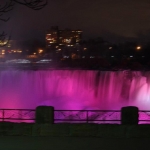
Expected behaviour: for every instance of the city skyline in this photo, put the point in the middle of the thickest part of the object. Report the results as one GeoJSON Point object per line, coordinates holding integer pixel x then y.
{"type": "Point", "coordinates": [112, 20]}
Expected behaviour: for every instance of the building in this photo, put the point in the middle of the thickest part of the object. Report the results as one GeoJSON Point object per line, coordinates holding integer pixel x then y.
{"type": "Point", "coordinates": [67, 37]}
{"type": "Point", "coordinates": [12, 48]}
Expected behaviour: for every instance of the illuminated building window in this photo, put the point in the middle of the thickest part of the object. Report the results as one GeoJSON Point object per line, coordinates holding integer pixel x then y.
{"type": "Point", "coordinates": [67, 40]}
{"type": "Point", "coordinates": [77, 40]}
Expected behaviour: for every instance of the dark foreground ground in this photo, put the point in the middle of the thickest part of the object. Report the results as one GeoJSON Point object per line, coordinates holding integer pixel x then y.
{"type": "Point", "coordinates": [72, 143]}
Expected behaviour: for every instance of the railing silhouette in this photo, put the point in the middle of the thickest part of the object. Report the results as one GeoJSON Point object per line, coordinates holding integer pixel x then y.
{"type": "Point", "coordinates": [17, 115]}
{"type": "Point", "coordinates": [72, 116]}
{"type": "Point", "coordinates": [96, 116]}
{"type": "Point", "coordinates": [87, 116]}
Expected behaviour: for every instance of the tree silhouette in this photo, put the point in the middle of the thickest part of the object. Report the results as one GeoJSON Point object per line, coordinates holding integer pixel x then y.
{"type": "Point", "coordinates": [33, 4]}
{"type": "Point", "coordinates": [9, 6]}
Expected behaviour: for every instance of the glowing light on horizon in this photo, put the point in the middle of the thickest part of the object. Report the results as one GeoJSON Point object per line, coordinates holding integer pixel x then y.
{"type": "Point", "coordinates": [138, 47]}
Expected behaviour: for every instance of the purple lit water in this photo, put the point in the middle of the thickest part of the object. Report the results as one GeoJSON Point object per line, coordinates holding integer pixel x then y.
{"type": "Point", "coordinates": [74, 89]}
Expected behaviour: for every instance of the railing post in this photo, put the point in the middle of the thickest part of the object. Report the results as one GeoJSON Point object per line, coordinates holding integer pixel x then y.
{"type": "Point", "coordinates": [44, 114]}
{"type": "Point", "coordinates": [129, 115]}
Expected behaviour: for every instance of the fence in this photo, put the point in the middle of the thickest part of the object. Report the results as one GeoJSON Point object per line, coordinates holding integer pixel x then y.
{"type": "Point", "coordinates": [87, 116]}
{"type": "Point", "coordinates": [72, 116]}
{"type": "Point", "coordinates": [17, 115]}
{"type": "Point", "coordinates": [96, 116]}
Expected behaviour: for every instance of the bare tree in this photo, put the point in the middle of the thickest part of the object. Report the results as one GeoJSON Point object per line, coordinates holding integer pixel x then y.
{"type": "Point", "coordinates": [9, 6]}
{"type": "Point", "coordinates": [33, 4]}
{"type": "Point", "coordinates": [6, 8]}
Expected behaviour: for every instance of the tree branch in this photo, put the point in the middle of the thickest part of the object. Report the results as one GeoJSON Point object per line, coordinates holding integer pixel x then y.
{"type": "Point", "coordinates": [6, 8]}
{"type": "Point", "coordinates": [33, 4]}
{"type": "Point", "coordinates": [3, 40]}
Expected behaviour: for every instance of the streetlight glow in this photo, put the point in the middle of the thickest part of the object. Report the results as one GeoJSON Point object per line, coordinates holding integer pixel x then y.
{"type": "Point", "coordinates": [138, 47]}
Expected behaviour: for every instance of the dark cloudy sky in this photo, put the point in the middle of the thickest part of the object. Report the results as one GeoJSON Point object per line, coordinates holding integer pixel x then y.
{"type": "Point", "coordinates": [112, 19]}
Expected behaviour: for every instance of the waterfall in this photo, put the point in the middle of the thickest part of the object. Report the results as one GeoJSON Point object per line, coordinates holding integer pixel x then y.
{"type": "Point", "coordinates": [74, 89]}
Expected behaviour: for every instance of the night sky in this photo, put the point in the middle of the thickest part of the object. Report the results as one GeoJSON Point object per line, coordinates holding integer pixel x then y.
{"type": "Point", "coordinates": [111, 19]}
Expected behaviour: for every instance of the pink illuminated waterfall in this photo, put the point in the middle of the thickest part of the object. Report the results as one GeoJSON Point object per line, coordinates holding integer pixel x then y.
{"type": "Point", "coordinates": [74, 89]}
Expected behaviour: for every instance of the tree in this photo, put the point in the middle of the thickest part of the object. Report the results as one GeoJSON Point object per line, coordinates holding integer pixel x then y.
{"type": "Point", "coordinates": [9, 6]}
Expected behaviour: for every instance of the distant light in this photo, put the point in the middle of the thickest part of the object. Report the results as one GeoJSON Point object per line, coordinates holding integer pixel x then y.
{"type": "Point", "coordinates": [131, 56]}
{"type": "Point", "coordinates": [92, 56]}
{"type": "Point", "coordinates": [59, 49]}
{"type": "Point", "coordinates": [44, 61]}
{"type": "Point", "coordinates": [65, 56]}
{"type": "Point", "coordinates": [110, 47]}
{"type": "Point", "coordinates": [112, 56]}
{"type": "Point", "coordinates": [143, 56]}
{"type": "Point", "coordinates": [34, 53]}
{"type": "Point", "coordinates": [40, 51]}
{"type": "Point", "coordinates": [18, 61]}
{"type": "Point", "coordinates": [85, 48]}
{"type": "Point", "coordinates": [138, 47]}
{"type": "Point", "coordinates": [83, 56]}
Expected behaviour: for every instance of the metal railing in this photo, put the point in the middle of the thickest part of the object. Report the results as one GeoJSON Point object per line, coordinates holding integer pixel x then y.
{"type": "Point", "coordinates": [96, 116]}
{"type": "Point", "coordinates": [144, 116]}
{"type": "Point", "coordinates": [72, 116]}
{"type": "Point", "coordinates": [17, 115]}
{"type": "Point", "coordinates": [87, 116]}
